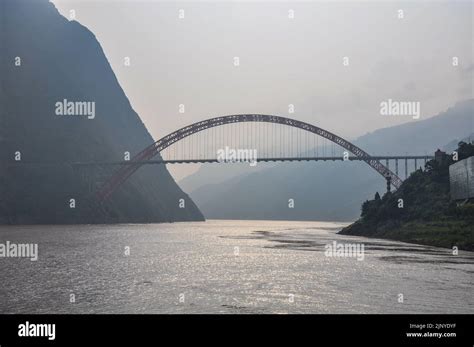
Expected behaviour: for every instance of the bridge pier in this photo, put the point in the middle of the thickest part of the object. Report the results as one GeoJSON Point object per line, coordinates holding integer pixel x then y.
{"type": "Point", "coordinates": [396, 167]}
{"type": "Point", "coordinates": [389, 183]}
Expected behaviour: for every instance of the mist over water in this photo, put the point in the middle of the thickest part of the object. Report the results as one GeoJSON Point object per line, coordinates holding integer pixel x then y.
{"type": "Point", "coordinates": [227, 267]}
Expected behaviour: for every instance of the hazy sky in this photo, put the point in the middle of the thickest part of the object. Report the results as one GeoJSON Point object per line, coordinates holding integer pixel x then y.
{"type": "Point", "coordinates": [284, 61]}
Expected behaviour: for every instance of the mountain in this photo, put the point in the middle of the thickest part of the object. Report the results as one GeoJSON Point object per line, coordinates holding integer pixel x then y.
{"type": "Point", "coordinates": [46, 59]}
{"type": "Point", "coordinates": [322, 190]}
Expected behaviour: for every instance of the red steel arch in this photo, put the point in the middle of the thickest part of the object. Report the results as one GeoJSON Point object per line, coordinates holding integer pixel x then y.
{"type": "Point", "coordinates": [122, 174]}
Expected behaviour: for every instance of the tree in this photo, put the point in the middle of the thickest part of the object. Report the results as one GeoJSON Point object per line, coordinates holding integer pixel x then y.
{"type": "Point", "coordinates": [465, 150]}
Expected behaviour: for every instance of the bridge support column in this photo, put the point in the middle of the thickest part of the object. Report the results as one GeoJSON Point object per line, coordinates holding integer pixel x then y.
{"type": "Point", "coordinates": [406, 168]}
{"type": "Point", "coordinates": [389, 182]}
{"type": "Point", "coordinates": [396, 166]}
{"type": "Point", "coordinates": [416, 164]}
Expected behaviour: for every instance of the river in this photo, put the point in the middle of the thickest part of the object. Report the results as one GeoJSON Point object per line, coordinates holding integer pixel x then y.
{"type": "Point", "coordinates": [227, 267]}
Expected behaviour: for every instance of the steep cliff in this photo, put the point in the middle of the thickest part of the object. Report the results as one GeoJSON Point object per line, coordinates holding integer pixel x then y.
{"type": "Point", "coordinates": [45, 59]}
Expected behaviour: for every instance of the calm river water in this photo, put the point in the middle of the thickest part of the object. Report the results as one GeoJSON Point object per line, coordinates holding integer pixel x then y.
{"type": "Point", "coordinates": [227, 267]}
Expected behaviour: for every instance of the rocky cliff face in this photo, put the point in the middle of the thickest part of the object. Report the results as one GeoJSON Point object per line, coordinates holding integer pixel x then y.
{"type": "Point", "coordinates": [46, 59]}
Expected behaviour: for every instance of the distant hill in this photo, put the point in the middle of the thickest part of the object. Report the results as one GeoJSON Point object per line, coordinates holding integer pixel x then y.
{"type": "Point", "coordinates": [321, 190]}
{"type": "Point", "coordinates": [61, 59]}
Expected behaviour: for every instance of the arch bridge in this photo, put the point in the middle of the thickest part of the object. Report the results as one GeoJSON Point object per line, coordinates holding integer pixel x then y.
{"type": "Point", "coordinates": [281, 131]}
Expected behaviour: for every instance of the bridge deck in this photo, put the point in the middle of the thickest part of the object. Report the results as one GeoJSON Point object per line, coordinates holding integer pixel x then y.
{"type": "Point", "coordinates": [214, 160]}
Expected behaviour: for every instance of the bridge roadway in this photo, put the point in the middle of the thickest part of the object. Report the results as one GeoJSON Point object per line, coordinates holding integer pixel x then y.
{"type": "Point", "coordinates": [214, 160]}
{"type": "Point", "coordinates": [269, 159]}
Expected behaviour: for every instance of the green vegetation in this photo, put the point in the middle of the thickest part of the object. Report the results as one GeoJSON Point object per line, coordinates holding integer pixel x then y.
{"type": "Point", "coordinates": [421, 211]}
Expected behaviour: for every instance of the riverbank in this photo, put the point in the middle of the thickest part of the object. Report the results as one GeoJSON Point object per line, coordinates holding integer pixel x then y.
{"type": "Point", "coordinates": [421, 211]}
{"type": "Point", "coordinates": [445, 234]}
